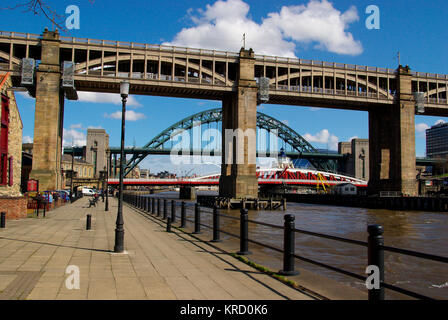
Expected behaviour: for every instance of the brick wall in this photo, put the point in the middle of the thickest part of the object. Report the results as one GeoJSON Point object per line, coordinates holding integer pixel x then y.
{"type": "Point", "coordinates": [14, 144]}
{"type": "Point", "coordinates": [15, 207]}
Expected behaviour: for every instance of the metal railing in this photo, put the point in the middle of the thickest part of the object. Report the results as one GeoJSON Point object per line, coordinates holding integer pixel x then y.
{"type": "Point", "coordinates": [374, 244]}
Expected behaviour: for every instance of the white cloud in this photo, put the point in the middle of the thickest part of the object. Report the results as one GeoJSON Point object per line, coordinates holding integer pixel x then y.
{"type": "Point", "coordinates": [130, 115]}
{"type": "Point", "coordinates": [100, 97]}
{"type": "Point", "coordinates": [73, 137]}
{"type": "Point", "coordinates": [323, 137]}
{"type": "Point", "coordinates": [27, 139]}
{"type": "Point", "coordinates": [222, 24]}
{"type": "Point", "coordinates": [76, 126]}
{"type": "Point", "coordinates": [440, 121]}
{"type": "Point", "coordinates": [421, 127]}
{"type": "Point", "coordinates": [314, 108]}
{"type": "Point", "coordinates": [286, 122]}
{"type": "Point", "coordinates": [26, 95]}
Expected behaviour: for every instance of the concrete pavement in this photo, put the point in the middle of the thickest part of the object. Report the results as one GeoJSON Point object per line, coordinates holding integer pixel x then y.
{"type": "Point", "coordinates": [35, 253]}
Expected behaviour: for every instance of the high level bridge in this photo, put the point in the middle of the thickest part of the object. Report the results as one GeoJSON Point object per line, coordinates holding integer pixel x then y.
{"type": "Point", "coordinates": [100, 66]}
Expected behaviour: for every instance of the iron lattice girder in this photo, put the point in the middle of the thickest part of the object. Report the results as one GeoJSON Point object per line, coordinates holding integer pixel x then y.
{"type": "Point", "coordinates": [285, 133]}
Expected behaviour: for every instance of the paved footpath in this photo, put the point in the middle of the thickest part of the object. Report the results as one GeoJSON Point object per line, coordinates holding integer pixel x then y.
{"type": "Point", "coordinates": [35, 252]}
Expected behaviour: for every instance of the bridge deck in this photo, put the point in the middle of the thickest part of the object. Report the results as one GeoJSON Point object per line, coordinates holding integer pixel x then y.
{"type": "Point", "coordinates": [161, 70]}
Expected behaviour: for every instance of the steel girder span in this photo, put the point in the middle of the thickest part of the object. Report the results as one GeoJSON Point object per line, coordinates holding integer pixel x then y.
{"type": "Point", "coordinates": [268, 123]}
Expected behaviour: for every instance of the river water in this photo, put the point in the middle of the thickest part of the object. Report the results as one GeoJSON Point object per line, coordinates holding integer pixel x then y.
{"type": "Point", "coordinates": [413, 230]}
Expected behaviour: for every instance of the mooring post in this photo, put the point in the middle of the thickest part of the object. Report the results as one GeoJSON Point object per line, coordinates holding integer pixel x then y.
{"type": "Point", "coordinates": [197, 219]}
{"type": "Point", "coordinates": [3, 220]}
{"type": "Point", "coordinates": [215, 225]}
{"type": "Point", "coordinates": [89, 222]}
{"type": "Point", "coordinates": [183, 215]}
{"type": "Point", "coordinates": [244, 233]}
{"type": "Point", "coordinates": [375, 255]}
{"type": "Point", "coordinates": [288, 246]}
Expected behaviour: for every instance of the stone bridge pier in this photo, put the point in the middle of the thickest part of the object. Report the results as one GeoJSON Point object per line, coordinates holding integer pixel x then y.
{"type": "Point", "coordinates": [392, 142]}
{"type": "Point", "coordinates": [49, 116]}
{"type": "Point", "coordinates": [239, 124]}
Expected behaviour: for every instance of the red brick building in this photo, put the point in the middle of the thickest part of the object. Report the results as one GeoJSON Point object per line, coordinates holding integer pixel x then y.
{"type": "Point", "coordinates": [11, 199]}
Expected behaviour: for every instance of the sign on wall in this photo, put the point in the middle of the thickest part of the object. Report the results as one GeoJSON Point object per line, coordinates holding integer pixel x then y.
{"type": "Point", "coordinates": [33, 185]}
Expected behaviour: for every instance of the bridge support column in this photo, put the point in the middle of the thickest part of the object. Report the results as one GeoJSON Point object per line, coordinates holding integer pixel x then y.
{"type": "Point", "coordinates": [49, 116]}
{"type": "Point", "coordinates": [392, 142]}
{"type": "Point", "coordinates": [187, 193]}
{"type": "Point", "coordinates": [239, 125]}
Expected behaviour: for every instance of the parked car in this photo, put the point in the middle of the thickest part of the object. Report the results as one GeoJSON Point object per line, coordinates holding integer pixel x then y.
{"type": "Point", "coordinates": [88, 192]}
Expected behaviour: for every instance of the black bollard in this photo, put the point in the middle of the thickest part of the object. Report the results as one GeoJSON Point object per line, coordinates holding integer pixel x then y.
{"type": "Point", "coordinates": [183, 215]}
{"type": "Point", "coordinates": [89, 222]}
{"type": "Point", "coordinates": [165, 209]}
{"type": "Point", "coordinates": [244, 233]}
{"type": "Point", "coordinates": [45, 208]}
{"type": "Point", "coordinates": [3, 220]}
{"type": "Point", "coordinates": [158, 207]}
{"type": "Point", "coordinates": [288, 247]}
{"type": "Point", "coordinates": [173, 211]}
{"type": "Point", "coordinates": [197, 219]}
{"type": "Point", "coordinates": [375, 255]}
{"type": "Point", "coordinates": [168, 224]}
{"type": "Point", "coordinates": [215, 225]}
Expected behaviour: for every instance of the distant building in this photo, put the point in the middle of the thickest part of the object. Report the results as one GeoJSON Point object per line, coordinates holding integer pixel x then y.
{"type": "Point", "coordinates": [346, 189]}
{"type": "Point", "coordinates": [11, 199]}
{"type": "Point", "coordinates": [81, 168]}
{"type": "Point", "coordinates": [144, 173]}
{"type": "Point", "coordinates": [96, 149]}
{"type": "Point", "coordinates": [356, 162]}
{"type": "Point", "coordinates": [437, 141]}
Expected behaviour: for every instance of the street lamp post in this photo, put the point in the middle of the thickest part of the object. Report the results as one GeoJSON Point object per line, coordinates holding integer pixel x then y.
{"type": "Point", "coordinates": [106, 208]}
{"type": "Point", "coordinates": [119, 231]}
{"type": "Point", "coordinates": [71, 178]}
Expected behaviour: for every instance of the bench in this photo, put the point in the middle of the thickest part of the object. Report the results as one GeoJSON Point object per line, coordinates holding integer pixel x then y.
{"type": "Point", "coordinates": [93, 202]}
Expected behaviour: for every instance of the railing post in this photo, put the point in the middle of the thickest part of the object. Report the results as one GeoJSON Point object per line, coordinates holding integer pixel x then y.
{"type": "Point", "coordinates": [197, 219]}
{"type": "Point", "coordinates": [168, 224]}
{"type": "Point", "coordinates": [288, 246]}
{"type": "Point", "coordinates": [244, 233]}
{"type": "Point", "coordinates": [375, 255]}
{"type": "Point", "coordinates": [215, 224]}
{"type": "Point", "coordinates": [164, 209]}
{"type": "Point", "coordinates": [158, 207]}
{"type": "Point", "coordinates": [183, 216]}
{"type": "Point", "coordinates": [89, 222]}
{"type": "Point", "coordinates": [173, 211]}
{"type": "Point", "coordinates": [3, 220]}
{"type": "Point", "coordinates": [148, 203]}
{"type": "Point", "coordinates": [153, 205]}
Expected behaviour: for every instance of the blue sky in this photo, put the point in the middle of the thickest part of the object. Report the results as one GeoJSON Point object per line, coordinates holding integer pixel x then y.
{"type": "Point", "coordinates": [415, 28]}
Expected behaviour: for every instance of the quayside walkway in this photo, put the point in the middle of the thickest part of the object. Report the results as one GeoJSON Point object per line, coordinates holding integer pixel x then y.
{"type": "Point", "coordinates": [35, 253]}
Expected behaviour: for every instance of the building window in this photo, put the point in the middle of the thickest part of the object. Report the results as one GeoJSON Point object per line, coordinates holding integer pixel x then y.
{"type": "Point", "coordinates": [4, 136]}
